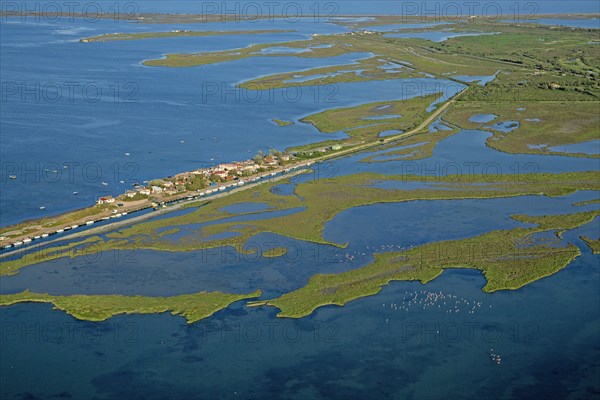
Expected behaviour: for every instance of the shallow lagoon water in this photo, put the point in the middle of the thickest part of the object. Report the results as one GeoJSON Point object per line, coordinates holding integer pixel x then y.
{"type": "Point", "coordinates": [481, 80]}
{"type": "Point", "coordinates": [435, 36]}
{"type": "Point", "coordinates": [245, 207]}
{"type": "Point", "coordinates": [483, 118]}
{"type": "Point", "coordinates": [464, 152]}
{"type": "Point", "coordinates": [384, 227]}
{"type": "Point", "coordinates": [189, 105]}
{"type": "Point", "coordinates": [505, 126]}
{"type": "Point", "coordinates": [588, 23]}
{"type": "Point", "coordinates": [546, 332]}
{"type": "Point", "coordinates": [591, 147]}
{"type": "Point", "coordinates": [251, 354]}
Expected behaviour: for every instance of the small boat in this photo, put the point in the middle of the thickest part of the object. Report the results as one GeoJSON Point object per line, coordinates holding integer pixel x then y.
{"type": "Point", "coordinates": [42, 207]}
{"type": "Point", "coordinates": [26, 240]}
{"type": "Point", "coordinates": [222, 188]}
{"type": "Point", "coordinates": [37, 237]}
{"type": "Point", "coordinates": [18, 243]}
{"type": "Point", "coordinates": [74, 226]}
{"type": "Point", "coordinates": [124, 213]}
{"type": "Point", "coordinates": [104, 184]}
{"type": "Point", "coordinates": [89, 222]}
{"type": "Point", "coordinates": [67, 228]}
{"type": "Point", "coordinates": [55, 171]}
{"type": "Point", "coordinates": [118, 215]}
{"type": "Point", "coordinates": [60, 230]}
{"type": "Point", "coordinates": [105, 218]}
{"type": "Point", "coordinates": [8, 246]}
{"type": "Point", "coordinates": [12, 176]}
{"type": "Point", "coordinates": [45, 235]}
{"type": "Point", "coordinates": [127, 154]}
{"type": "Point", "coordinates": [75, 193]}
{"type": "Point", "coordinates": [121, 181]}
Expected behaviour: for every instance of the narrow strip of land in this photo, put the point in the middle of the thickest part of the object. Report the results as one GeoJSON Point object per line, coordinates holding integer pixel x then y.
{"type": "Point", "coordinates": [183, 198]}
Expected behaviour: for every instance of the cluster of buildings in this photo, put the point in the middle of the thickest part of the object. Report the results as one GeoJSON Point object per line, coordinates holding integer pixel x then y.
{"type": "Point", "coordinates": [203, 177]}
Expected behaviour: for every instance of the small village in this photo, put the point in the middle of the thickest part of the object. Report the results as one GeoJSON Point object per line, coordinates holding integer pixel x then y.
{"type": "Point", "coordinates": [160, 193]}
{"type": "Point", "coordinates": [205, 181]}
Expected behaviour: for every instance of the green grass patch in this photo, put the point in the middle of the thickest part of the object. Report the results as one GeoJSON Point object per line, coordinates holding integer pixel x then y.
{"type": "Point", "coordinates": [275, 252]}
{"type": "Point", "coordinates": [593, 244]}
{"type": "Point", "coordinates": [280, 122]}
{"type": "Point", "coordinates": [193, 307]}
{"type": "Point", "coordinates": [318, 202]}
{"type": "Point", "coordinates": [507, 258]}
{"type": "Point", "coordinates": [113, 37]}
{"type": "Point", "coordinates": [542, 124]}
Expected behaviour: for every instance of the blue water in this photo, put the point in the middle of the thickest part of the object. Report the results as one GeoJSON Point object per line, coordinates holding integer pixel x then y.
{"type": "Point", "coordinates": [591, 23]}
{"type": "Point", "coordinates": [381, 346]}
{"type": "Point", "coordinates": [190, 125]}
{"type": "Point", "coordinates": [591, 147]}
{"type": "Point", "coordinates": [462, 153]}
{"type": "Point", "coordinates": [483, 118]}
{"type": "Point", "coordinates": [402, 26]}
{"type": "Point", "coordinates": [505, 126]}
{"type": "Point", "coordinates": [435, 36]}
{"type": "Point", "coordinates": [377, 117]}
{"type": "Point", "coordinates": [245, 207]}
{"type": "Point", "coordinates": [481, 80]}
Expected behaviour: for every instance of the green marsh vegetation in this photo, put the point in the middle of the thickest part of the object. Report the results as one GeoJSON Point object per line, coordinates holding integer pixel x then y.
{"type": "Point", "coordinates": [509, 259]}
{"type": "Point", "coordinates": [193, 307]}
{"type": "Point", "coordinates": [552, 72]}
{"type": "Point", "coordinates": [280, 122]}
{"type": "Point", "coordinates": [542, 125]}
{"type": "Point", "coordinates": [113, 37]}
{"type": "Point", "coordinates": [314, 204]}
{"type": "Point", "coordinates": [593, 244]}
{"type": "Point", "coordinates": [367, 121]}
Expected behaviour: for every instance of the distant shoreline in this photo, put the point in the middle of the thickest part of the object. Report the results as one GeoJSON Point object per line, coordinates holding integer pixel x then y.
{"type": "Point", "coordinates": [163, 18]}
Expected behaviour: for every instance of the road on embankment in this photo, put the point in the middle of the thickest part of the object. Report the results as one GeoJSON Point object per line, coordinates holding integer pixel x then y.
{"type": "Point", "coordinates": [132, 220]}
{"type": "Point", "coordinates": [111, 226]}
